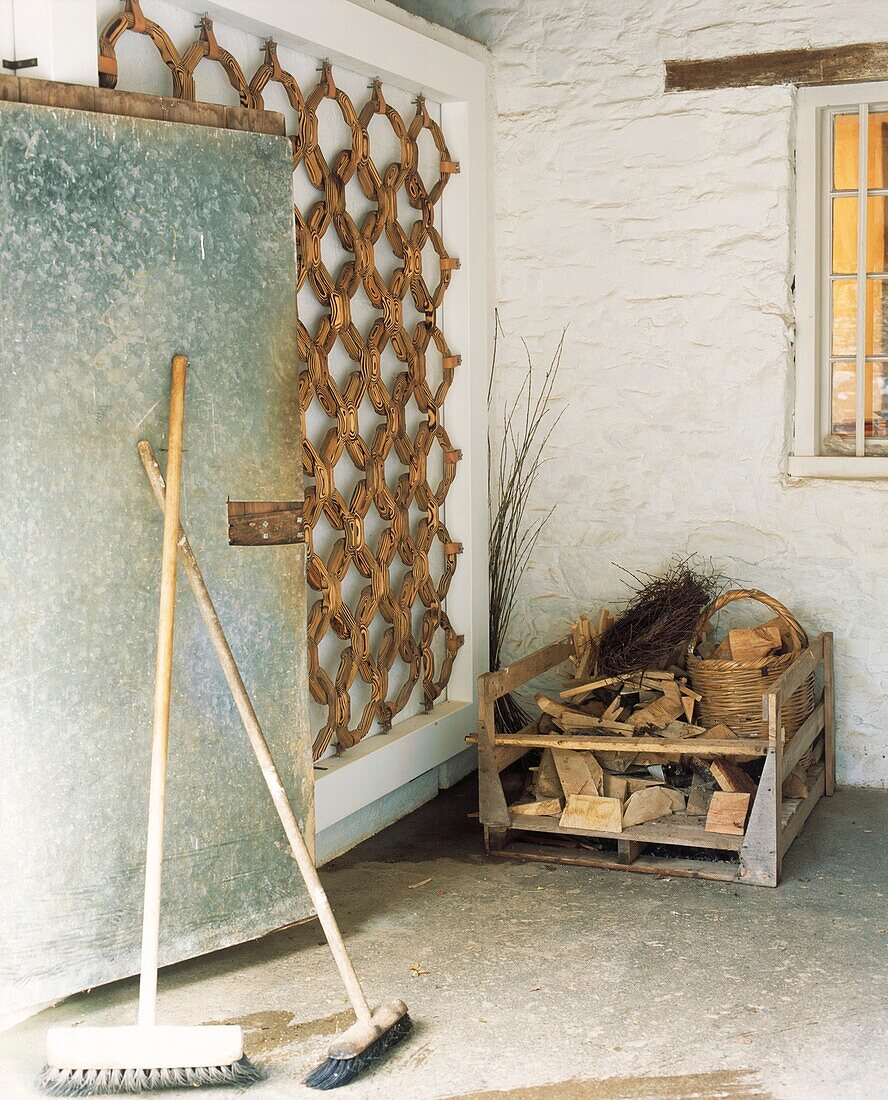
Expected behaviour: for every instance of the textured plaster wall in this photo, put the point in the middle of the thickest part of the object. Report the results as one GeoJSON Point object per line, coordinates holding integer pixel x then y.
{"type": "Point", "coordinates": [660, 228]}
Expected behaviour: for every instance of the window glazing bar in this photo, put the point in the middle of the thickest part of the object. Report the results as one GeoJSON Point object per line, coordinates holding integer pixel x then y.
{"type": "Point", "coordinates": [860, 371]}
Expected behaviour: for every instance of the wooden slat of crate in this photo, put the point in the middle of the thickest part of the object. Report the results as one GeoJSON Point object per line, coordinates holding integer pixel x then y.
{"type": "Point", "coordinates": [674, 866]}
{"type": "Point", "coordinates": [793, 824]}
{"type": "Point", "coordinates": [518, 673]}
{"type": "Point", "coordinates": [803, 738]}
{"type": "Point", "coordinates": [581, 742]}
{"type": "Point", "coordinates": [675, 829]}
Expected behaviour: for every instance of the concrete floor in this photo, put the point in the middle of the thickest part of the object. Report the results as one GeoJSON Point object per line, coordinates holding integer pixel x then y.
{"type": "Point", "coordinates": [530, 981]}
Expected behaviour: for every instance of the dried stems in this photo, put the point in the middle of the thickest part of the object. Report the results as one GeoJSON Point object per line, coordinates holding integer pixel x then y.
{"type": "Point", "coordinates": [659, 619]}
{"type": "Point", "coordinates": [512, 475]}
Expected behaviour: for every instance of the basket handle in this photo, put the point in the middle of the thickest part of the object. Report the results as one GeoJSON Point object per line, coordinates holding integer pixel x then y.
{"type": "Point", "coordinates": [797, 637]}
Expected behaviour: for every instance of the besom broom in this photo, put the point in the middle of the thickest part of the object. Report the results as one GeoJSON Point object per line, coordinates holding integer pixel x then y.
{"type": "Point", "coordinates": [375, 1031]}
{"type": "Point", "coordinates": [97, 1061]}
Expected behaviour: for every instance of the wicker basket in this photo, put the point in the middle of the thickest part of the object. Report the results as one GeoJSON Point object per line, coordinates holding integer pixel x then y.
{"type": "Point", "coordinates": [732, 690]}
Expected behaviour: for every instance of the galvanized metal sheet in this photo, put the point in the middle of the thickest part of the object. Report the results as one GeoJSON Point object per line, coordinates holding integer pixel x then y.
{"type": "Point", "coordinates": [123, 241]}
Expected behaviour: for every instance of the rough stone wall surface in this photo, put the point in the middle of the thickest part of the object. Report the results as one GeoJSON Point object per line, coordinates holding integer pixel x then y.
{"type": "Point", "coordinates": [660, 229]}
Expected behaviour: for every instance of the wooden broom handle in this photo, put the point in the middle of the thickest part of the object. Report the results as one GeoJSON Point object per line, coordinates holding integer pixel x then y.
{"type": "Point", "coordinates": [162, 682]}
{"type": "Point", "coordinates": [261, 750]}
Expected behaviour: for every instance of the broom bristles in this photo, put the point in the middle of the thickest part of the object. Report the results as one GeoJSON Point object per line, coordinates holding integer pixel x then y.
{"type": "Point", "coordinates": [336, 1072]}
{"type": "Point", "coordinates": [108, 1082]}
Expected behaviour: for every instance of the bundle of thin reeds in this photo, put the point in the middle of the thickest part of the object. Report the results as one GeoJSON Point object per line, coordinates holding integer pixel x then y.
{"type": "Point", "coordinates": [527, 425]}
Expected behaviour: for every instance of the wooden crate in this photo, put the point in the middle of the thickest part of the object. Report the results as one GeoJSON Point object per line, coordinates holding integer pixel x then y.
{"type": "Point", "coordinates": [774, 821]}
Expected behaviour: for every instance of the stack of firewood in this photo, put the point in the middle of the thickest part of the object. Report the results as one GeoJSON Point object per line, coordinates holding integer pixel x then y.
{"type": "Point", "coordinates": [609, 790]}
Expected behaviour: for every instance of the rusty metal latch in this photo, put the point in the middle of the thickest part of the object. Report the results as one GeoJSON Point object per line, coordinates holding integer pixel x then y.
{"type": "Point", "coordinates": [265, 522]}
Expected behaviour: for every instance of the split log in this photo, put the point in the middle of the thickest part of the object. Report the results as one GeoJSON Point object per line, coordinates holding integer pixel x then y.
{"type": "Point", "coordinates": [683, 729]}
{"type": "Point", "coordinates": [636, 783]}
{"type": "Point", "coordinates": [588, 688]}
{"type": "Point", "coordinates": [567, 716]}
{"type": "Point", "coordinates": [646, 805]}
{"type": "Point", "coordinates": [753, 642]}
{"type": "Point", "coordinates": [728, 813]}
{"type": "Point", "coordinates": [677, 798]}
{"type": "Point", "coordinates": [618, 727]}
{"type": "Point", "coordinates": [730, 777]}
{"type": "Point", "coordinates": [786, 638]}
{"type": "Point", "coordinates": [616, 786]}
{"type": "Point", "coordinates": [725, 733]}
{"type": "Point", "coordinates": [578, 772]}
{"type": "Point", "coordinates": [547, 784]}
{"type": "Point", "coordinates": [614, 711]}
{"type": "Point", "coordinates": [571, 721]}
{"type": "Point", "coordinates": [670, 690]}
{"type": "Point", "coordinates": [591, 812]}
{"type": "Point", "coordinates": [585, 645]}
{"type": "Point", "coordinates": [657, 715]}
{"type": "Point", "coordinates": [543, 807]}
{"type": "Point", "coordinates": [796, 784]}
{"type": "Point", "coordinates": [699, 798]}
{"type": "Point", "coordinates": [616, 761]}
{"type": "Point", "coordinates": [597, 773]}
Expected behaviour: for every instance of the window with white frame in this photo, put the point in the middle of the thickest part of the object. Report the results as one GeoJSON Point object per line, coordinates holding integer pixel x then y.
{"type": "Point", "coordinates": [841, 424]}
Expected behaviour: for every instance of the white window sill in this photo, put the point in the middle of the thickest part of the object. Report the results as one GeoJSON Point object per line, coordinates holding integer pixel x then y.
{"type": "Point", "coordinates": [837, 467]}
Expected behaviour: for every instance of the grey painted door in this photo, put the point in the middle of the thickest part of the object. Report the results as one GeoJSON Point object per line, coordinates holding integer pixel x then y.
{"type": "Point", "coordinates": [123, 241]}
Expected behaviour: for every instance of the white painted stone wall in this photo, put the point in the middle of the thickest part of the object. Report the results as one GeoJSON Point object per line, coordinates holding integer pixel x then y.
{"type": "Point", "coordinates": [660, 229]}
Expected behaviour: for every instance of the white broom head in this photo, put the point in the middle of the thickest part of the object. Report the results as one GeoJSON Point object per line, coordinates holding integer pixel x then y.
{"type": "Point", "coordinates": [146, 1048]}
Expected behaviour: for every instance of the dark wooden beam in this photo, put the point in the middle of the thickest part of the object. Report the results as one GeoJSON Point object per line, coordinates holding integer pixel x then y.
{"type": "Point", "coordinates": [106, 101]}
{"type": "Point", "coordinates": [830, 65]}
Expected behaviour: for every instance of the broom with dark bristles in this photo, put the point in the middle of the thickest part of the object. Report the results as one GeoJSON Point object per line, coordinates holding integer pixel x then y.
{"type": "Point", "coordinates": [98, 1061]}
{"type": "Point", "coordinates": [375, 1032]}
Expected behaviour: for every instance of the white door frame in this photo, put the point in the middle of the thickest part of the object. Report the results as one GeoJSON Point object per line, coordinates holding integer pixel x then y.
{"type": "Point", "coordinates": [61, 33]}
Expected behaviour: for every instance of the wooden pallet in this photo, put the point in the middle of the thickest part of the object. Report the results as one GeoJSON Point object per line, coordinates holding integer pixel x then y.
{"type": "Point", "coordinates": [754, 858]}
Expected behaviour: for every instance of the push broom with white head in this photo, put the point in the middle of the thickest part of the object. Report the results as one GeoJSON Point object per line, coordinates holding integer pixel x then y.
{"type": "Point", "coordinates": [98, 1061]}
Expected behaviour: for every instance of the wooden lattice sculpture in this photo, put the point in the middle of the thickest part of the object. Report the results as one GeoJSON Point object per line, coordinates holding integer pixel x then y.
{"type": "Point", "coordinates": [364, 390]}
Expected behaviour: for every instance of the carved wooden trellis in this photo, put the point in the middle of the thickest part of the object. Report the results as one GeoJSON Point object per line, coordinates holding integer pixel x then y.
{"type": "Point", "coordinates": [364, 389]}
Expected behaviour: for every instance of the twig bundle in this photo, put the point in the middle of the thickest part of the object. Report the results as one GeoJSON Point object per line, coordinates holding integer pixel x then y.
{"type": "Point", "coordinates": [659, 619]}
{"type": "Point", "coordinates": [527, 425]}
